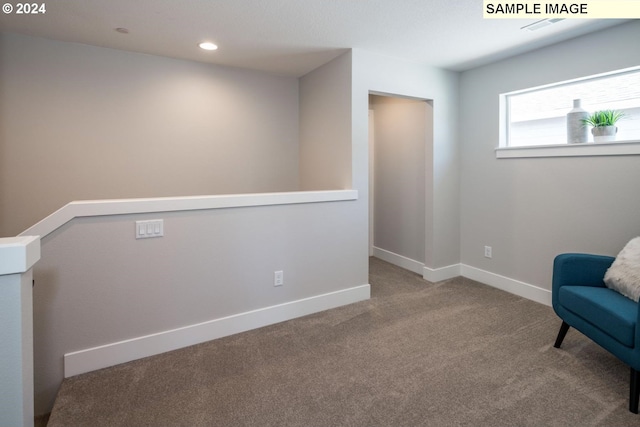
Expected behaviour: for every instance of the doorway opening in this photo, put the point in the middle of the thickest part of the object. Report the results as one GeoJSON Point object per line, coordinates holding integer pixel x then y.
{"type": "Point", "coordinates": [400, 146]}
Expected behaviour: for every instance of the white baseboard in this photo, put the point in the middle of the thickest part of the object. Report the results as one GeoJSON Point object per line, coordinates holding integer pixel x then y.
{"type": "Point", "coordinates": [433, 275]}
{"type": "Point", "coordinates": [430, 274]}
{"type": "Point", "coordinates": [112, 354]}
{"type": "Point", "coordinates": [516, 287]}
{"type": "Point", "coordinates": [399, 260]}
{"type": "Point", "coordinates": [443, 273]}
{"type": "Point", "coordinates": [91, 359]}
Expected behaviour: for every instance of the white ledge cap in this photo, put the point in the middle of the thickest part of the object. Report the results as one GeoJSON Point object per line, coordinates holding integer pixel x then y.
{"type": "Point", "coordinates": [18, 254]}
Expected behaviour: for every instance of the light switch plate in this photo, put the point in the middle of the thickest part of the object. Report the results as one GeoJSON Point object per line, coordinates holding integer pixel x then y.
{"type": "Point", "coordinates": [149, 228]}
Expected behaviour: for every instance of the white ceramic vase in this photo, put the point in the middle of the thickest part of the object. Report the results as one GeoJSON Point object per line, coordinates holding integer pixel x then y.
{"type": "Point", "coordinates": [576, 129]}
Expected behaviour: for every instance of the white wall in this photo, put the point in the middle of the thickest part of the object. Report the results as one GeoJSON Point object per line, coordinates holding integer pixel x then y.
{"type": "Point", "coordinates": [96, 123]}
{"type": "Point", "coordinates": [374, 73]}
{"type": "Point", "coordinates": [401, 141]}
{"type": "Point", "coordinates": [530, 210]}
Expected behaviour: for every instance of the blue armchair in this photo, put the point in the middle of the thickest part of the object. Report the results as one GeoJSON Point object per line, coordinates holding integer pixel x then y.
{"type": "Point", "coordinates": [581, 299]}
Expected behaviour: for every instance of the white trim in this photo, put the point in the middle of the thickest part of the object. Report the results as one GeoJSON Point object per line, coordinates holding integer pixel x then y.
{"type": "Point", "coordinates": [87, 360]}
{"type": "Point", "coordinates": [516, 287]}
{"type": "Point", "coordinates": [399, 260]}
{"type": "Point", "coordinates": [430, 274]}
{"type": "Point", "coordinates": [112, 354]}
{"type": "Point", "coordinates": [439, 274]}
{"type": "Point", "coordinates": [620, 148]}
{"type": "Point", "coordinates": [18, 254]}
{"type": "Point", "coordinates": [90, 208]}
{"type": "Point", "coordinates": [578, 79]}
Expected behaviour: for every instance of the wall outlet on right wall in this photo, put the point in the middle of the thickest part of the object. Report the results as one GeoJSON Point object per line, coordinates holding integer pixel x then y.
{"type": "Point", "coordinates": [278, 278]}
{"type": "Point", "coordinates": [487, 252]}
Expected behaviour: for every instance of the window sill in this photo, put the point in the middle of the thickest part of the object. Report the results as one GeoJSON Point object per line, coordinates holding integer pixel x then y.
{"type": "Point", "coordinates": [619, 148]}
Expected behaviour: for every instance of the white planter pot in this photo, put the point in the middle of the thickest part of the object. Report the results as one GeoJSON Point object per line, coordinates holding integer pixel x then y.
{"type": "Point", "coordinates": [604, 133]}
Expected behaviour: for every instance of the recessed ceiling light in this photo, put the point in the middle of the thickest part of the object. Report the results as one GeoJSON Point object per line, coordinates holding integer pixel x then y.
{"type": "Point", "coordinates": [208, 46]}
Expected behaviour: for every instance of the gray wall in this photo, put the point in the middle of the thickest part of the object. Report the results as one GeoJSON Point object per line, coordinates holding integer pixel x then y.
{"type": "Point", "coordinates": [87, 122]}
{"type": "Point", "coordinates": [401, 140]}
{"type": "Point", "coordinates": [325, 126]}
{"type": "Point", "coordinates": [529, 210]}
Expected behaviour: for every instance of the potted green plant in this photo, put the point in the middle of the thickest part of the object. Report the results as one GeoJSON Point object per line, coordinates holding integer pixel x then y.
{"type": "Point", "coordinates": [604, 124]}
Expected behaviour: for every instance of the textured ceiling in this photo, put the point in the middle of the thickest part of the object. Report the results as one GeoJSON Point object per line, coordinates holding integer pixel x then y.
{"type": "Point", "coordinates": [295, 36]}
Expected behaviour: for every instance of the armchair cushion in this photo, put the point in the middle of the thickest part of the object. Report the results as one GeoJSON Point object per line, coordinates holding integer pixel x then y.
{"type": "Point", "coordinates": [624, 274]}
{"type": "Point", "coordinates": [608, 311]}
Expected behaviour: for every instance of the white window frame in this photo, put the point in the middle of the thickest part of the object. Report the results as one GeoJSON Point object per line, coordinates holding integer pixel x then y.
{"type": "Point", "coordinates": [618, 148]}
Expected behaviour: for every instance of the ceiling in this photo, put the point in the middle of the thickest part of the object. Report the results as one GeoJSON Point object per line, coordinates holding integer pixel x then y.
{"type": "Point", "coordinates": [292, 37]}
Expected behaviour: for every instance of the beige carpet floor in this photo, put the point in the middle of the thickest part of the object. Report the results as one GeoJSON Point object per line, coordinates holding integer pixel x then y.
{"type": "Point", "coordinates": [454, 353]}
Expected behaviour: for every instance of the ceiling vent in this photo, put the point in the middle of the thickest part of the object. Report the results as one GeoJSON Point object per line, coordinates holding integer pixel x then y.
{"type": "Point", "coordinates": [541, 24]}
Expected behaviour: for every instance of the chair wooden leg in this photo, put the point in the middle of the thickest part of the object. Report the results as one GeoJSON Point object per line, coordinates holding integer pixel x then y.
{"type": "Point", "coordinates": [634, 391]}
{"type": "Point", "coordinates": [564, 328]}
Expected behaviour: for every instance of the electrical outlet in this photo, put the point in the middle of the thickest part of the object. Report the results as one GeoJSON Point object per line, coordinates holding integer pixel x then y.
{"type": "Point", "coordinates": [487, 252]}
{"type": "Point", "coordinates": [278, 278]}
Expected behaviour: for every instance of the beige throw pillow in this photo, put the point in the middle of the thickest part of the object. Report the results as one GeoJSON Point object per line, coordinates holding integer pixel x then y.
{"type": "Point", "coordinates": [624, 274]}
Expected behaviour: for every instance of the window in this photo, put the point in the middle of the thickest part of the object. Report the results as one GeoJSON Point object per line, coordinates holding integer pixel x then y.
{"type": "Point", "coordinates": [537, 117]}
